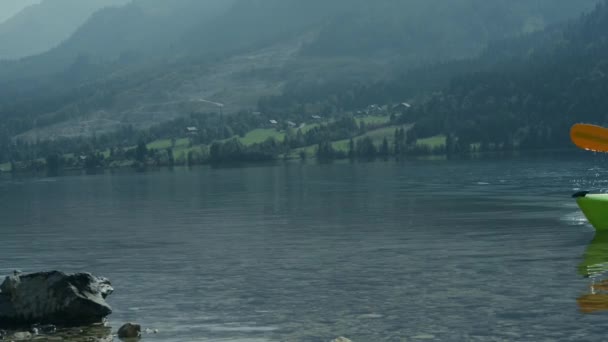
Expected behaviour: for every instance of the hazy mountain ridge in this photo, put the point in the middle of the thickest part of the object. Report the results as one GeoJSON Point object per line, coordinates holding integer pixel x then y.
{"type": "Point", "coordinates": [111, 46]}
{"type": "Point", "coordinates": [40, 27]}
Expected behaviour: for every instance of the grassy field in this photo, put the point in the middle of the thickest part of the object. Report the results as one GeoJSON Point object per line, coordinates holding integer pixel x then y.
{"type": "Point", "coordinates": [376, 120]}
{"type": "Point", "coordinates": [435, 141]}
{"type": "Point", "coordinates": [6, 167]}
{"type": "Point", "coordinates": [309, 127]}
{"type": "Point", "coordinates": [377, 136]}
{"type": "Point", "coordinates": [166, 143]}
{"type": "Point", "coordinates": [180, 150]}
{"type": "Point", "coordinates": [260, 135]}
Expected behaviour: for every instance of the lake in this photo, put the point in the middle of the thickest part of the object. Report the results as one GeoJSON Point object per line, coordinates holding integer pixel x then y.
{"type": "Point", "coordinates": [486, 250]}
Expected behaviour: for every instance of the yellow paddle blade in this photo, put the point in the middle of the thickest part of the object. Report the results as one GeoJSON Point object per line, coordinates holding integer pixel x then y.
{"type": "Point", "coordinates": [590, 137]}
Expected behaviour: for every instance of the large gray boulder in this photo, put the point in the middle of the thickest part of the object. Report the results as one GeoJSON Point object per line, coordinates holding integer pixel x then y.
{"type": "Point", "coordinates": [54, 298]}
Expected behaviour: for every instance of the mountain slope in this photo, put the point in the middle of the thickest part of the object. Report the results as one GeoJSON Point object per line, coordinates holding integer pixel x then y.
{"type": "Point", "coordinates": [525, 91]}
{"type": "Point", "coordinates": [405, 31]}
{"type": "Point", "coordinates": [8, 8]}
{"type": "Point", "coordinates": [435, 29]}
{"type": "Point", "coordinates": [134, 33]}
{"type": "Point", "coordinates": [531, 102]}
{"type": "Point", "coordinates": [40, 27]}
{"type": "Point", "coordinates": [128, 65]}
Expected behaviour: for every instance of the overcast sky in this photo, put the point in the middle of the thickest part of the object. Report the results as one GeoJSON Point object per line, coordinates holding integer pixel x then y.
{"type": "Point", "coordinates": [8, 8]}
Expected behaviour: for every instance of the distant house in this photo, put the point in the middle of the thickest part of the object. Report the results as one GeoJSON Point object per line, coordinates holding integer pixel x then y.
{"type": "Point", "coordinates": [257, 113]}
{"type": "Point", "coordinates": [191, 130]}
{"type": "Point", "coordinates": [402, 106]}
{"type": "Point", "coordinates": [316, 117]}
{"type": "Point", "coordinates": [273, 122]}
{"type": "Point", "coordinates": [291, 124]}
{"type": "Point", "coordinates": [373, 109]}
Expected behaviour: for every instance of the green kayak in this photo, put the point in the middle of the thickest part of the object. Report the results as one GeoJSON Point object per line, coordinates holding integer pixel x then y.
{"type": "Point", "coordinates": [595, 208]}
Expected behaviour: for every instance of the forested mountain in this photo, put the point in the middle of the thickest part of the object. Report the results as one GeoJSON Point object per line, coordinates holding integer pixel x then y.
{"type": "Point", "coordinates": [40, 27]}
{"type": "Point", "coordinates": [531, 102]}
{"type": "Point", "coordinates": [434, 29]}
{"type": "Point", "coordinates": [525, 91]}
{"type": "Point", "coordinates": [151, 60]}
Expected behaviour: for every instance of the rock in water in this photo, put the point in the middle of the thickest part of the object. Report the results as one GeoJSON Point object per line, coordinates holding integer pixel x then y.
{"type": "Point", "coordinates": [45, 329]}
{"type": "Point", "coordinates": [341, 339]}
{"type": "Point", "coordinates": [54, 298]}
{"type": "Point", "coordinates": [20, 336]}
{"type": "Point", "coordinates": [129, 330]}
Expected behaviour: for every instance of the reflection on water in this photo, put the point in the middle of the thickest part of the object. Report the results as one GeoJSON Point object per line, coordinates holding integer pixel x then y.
{"type": "Point", "coordinates": [595, 267]}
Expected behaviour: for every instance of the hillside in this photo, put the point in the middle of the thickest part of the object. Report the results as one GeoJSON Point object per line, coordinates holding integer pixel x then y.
{"type": "Point", "coordinates": [522, 92]}
{"type": "Point", "coordinates": [436, 30]}
{"type": "Point", "coordinates": [530, 102]}
{"type": "Point", "coordinates": [8, 8]}
{"type": "Point", "coordinates": [134, 34]}
{"type": "Point", "coordinates": [151, 61]}
{"type": "Point", "coordinates": [40, 27]}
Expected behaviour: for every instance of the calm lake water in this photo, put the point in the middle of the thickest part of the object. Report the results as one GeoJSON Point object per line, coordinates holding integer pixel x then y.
{"type": "Point", "coordinates": [382, 251]}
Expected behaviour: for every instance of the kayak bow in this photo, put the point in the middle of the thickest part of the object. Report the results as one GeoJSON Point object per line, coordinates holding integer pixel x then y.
{"type": "Point", "coordinates": [595, 208]}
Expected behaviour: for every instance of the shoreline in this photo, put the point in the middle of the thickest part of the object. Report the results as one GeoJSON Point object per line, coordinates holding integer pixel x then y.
{"type": "Point", "coordinates": [501, 155]}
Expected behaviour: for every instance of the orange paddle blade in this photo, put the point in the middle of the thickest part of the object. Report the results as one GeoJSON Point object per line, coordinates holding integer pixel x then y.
{"type": "Point", "coordinates": [590, 137]}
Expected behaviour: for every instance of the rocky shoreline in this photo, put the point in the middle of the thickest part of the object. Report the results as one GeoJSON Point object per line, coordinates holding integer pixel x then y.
{"type": "Point", "coordinates": [95, 333]}
{"type": "Point", "coordinates": [58, 306]}
{"type": "Point", "coordinates": [100, 333]}
{"type": "Point", "coordinates": [55, 306]}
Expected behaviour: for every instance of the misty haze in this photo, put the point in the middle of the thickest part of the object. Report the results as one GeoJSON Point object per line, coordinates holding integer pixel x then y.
{"type": "Point", "coordinates": [303, 170]}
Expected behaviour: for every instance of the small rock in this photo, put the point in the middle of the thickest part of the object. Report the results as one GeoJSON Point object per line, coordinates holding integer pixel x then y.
{"type": "Point", "coordinates": [371, 316]}
{"type": "Point", "coordinates": [129, 330]}
{"type": "Point", "coordinates": [22, 336]}
{"type": "Point", "coordinates": [3, 334]}
{"type": "Point", "coordinates": [341, 339]}
{"type": "Point", "coordinates": [43, 329]}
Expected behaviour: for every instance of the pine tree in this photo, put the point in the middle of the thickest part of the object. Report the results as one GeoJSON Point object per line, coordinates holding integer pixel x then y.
{"type": "Point", "coordinates": [384, 149]}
